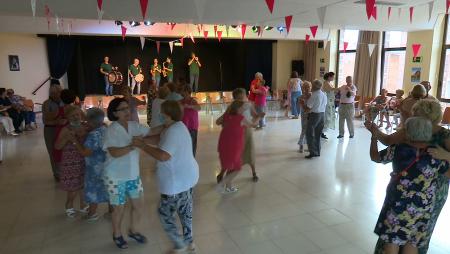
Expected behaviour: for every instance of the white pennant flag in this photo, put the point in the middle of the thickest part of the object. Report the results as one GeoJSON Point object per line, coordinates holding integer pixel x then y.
{"type": "Point", "coordinates": [69, 27]}
{"type": "Point", "coordinates": [321, 12]}
{"type": "Point", "coordinates": [33, 7]}
{"type": "Point", "coordinates": [371, 47]}
{"type": "Point", "coordinates": [142, 42]}
{"type": "Point", "coordinates": [430, 10]}
{"type": "Point", "coordinates": [100, 15]}
{"type": "Point", "coordinates": [57, 24]}
{"type": "Point", "coordinates": [171, 46]}
{"type": "Point", "coordinates": [325, 44]}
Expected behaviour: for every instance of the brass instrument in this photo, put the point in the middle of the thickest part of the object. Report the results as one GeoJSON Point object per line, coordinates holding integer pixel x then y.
{"type": "Point", "coordinates": [164, 71]}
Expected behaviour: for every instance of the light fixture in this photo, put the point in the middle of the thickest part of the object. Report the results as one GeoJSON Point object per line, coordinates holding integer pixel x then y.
{"type": "Point", "coordinates": [134, 23]}
{"type": "Point", "coordinates": [118, 22]}
{"type": "Point", "coordinates": [268, 28]}
{"type": "Point", "coordinates": [148, 23]}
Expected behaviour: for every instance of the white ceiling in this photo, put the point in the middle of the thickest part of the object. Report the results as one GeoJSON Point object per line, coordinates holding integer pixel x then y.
{"type": "Point", "coordinates": [340, 13]}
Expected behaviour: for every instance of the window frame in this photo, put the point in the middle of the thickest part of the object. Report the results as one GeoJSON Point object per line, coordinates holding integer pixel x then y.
{"type": "Point", "coordinates": [383, 58]}
{"type": "Point", "coordinates": [339, 52]}
{"type": "Point", "coordinates": [445, 46]}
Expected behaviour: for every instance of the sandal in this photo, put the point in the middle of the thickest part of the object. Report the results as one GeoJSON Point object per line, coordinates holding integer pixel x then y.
{"type": "Point", "coordinates": [138, 237]}
{"type": "Point", "coordinates": [70, 212]}
{"type": "Point", "coordinates": [120, 242]}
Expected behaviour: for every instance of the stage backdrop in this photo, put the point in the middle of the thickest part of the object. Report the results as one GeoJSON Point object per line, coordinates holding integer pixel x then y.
{"type": "Point", "coordinates": [239, 60]}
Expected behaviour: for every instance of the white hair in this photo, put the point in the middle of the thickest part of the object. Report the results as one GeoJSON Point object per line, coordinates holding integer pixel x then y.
{"type": "Point", "coordinates": [95, 116]}
{"type": "Point", "coordinates": [259, 75]}
{"type": "Point", "coordinates": [316, 85]}
{"type": "Point", "coordinates": [418, 129]}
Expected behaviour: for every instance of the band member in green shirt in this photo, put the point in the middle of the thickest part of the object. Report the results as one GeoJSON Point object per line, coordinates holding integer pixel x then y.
{"type": "Point", "coordinates": [194, 71]}
{"type": "Point", "coordinates": [134, 70]}
{"type": "Point", "coordinates": [105, 69]}
{"type": "Point", "coordinates": [156, 72]}
{"type": "Point", "coordinates": [168, 69]}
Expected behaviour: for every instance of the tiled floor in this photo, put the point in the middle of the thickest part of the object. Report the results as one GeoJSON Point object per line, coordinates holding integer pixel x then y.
{"type": "Point", "coordinates": [323, 206]}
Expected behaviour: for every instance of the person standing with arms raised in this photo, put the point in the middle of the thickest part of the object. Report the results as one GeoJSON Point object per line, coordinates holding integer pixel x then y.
{"type": "Point", "coordinates": [105, 69]}
{"type": "Point", "coordinates": [194, 72]}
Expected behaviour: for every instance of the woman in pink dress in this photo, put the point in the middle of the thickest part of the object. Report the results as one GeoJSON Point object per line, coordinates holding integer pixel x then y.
{"type": "Point", "coordinates": [231, 144]}
{"type": "Point", "coordinates": [190, 116]}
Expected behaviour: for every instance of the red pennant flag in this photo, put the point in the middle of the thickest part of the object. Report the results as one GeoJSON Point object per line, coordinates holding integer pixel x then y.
{"type": "Point", "coordinates": [47, 15]}
{"type": "Point", "coordinates": [172, 25]}
{"type": "Point", "coordinates": [370, 4]}
{"type": "Point", "coordinates": [182, 42]}
{"type": "Point", "coordinates": [411, 13]}
{"type": "Point", "coordinates": [313, 30]}
{"type": "Point", "coordinates": [219, 35]}
{"type": "Point", "coordinates": [243, 28]}
{"type": "Point", "coordinates": [374, 12]}
{"type": "Point", "coordinates": [447, 5]}
{"type": "Point", "coordinates": [144, 4]}
{"type": "Point", "coordinates": [389, 12]}
{"type": "Point", "coordinates": [124, 31]}
{"type": "Point", "coordinates": [288, 21]}
{"type": "Point", "coordinates": [215, 30]}
{"type": "Point", "coordinates": [259, 31]}
{"type": "Point", "coordinates": [307, 38]}
{"type": "Point", "coordinates": [205, 34]}
{"type": "Point", "coordinates": [99, 4]}
{"type": "Point", "coordinates": [416, 49]}
{"type": "Point", "coordinates": [270, 4]}
{"type": "Point", "coordinates": [157, 46]}
{"type": "Point", "coordinates": [345, 46]}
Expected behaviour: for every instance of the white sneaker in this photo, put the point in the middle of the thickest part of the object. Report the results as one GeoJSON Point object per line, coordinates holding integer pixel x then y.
{"type": "Point", "coordinates": [71, 213]}
{"type": "Point", "coordinates": [230, 190]}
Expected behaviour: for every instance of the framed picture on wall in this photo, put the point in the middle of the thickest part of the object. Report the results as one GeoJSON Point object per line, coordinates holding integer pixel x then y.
{"type": "Point", "coordinates": [14, 64]}
{"type": "Point", "coordinates": [415, 74]}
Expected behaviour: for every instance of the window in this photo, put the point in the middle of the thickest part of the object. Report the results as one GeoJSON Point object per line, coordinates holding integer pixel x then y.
{"type": "Point", "coordinates": [443, 91]}
{"type": "Point", "coordinates": [393, 60]}
{"type": "Point", "coordinates": [346, 60]}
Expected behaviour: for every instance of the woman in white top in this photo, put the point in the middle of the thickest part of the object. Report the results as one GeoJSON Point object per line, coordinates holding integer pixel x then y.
{"type": "Point", "coordinates": [295, 88]}
{"type": "Point", "coordinates": [163, 92]}
{"type": "Point", "coordinates": [121, 173]}
{"type": "Point", "coordinates": [330, 112]}
{"type": "Point", "coordinates": [177, 173]}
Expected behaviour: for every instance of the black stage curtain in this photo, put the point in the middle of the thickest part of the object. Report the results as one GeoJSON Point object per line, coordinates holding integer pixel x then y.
{"type": "Point", "coordinates": [236, 60]}
{"type": "Point", "coordinates": [60, 51]}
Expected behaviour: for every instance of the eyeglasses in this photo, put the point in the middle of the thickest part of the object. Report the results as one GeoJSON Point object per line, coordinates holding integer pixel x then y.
{"type": "Point", "coordinates": [123, 109]}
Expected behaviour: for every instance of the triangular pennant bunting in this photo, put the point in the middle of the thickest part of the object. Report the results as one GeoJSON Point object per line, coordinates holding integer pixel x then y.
{"type": "Point", "coordinates": [389, 12]}
{"type": "Point", "coordinates": [205, 34]}
{"type": "Point", "coordinates": [69, 28]}
{"type": "Point", "coordinates": [288, 22]}
{"type": "Point", "coordinates": [172, 25]}
{"type": "Point", "coordinates": [325, 44]}
{"type": "Point", "coordinates": [416, 49]}
{"type": "Point", "coordinates": [171, 46]}
{"type": "Point", "coordinates": [100, 4]}
{"type": "Point", "coordinates": [447, 5]}
{"type": "Point", "coordinates": [270, 4]}
{"type": "Point", "coordinates": [124, 31]}
{"type": "Point", "coordinates": [57, 24]}
{"type": "Point", "coordinates": [198, 29]}
{"type": "Point", "coordinates": [411, 13]}
{"type": "Point", "coordinates": [313, 30]}
{"type": "Point", "coordinates": [47, 15]}
{"type": "Point", "coordinates": [374, 12]}
{"type": "Point", "coordinates": [142, 38]}
{"type": "Point", "coordinates": [259, 31]}
{"type": "Point", "coordinates": [307, 38]}
{"type": "Point", "coordinates": [144, 4]}
{"type": "Point", "coordinates": [371, 47]}
{"type": "Point", "coordinates": [243, 29]}
{"type": "Point", "coordinates": [192, 37]}
{"type": "Point", "coordinates": [345, 46]}
{"type": "Point", "coordinates": [370, 4]}
{"type": "Point", "coordinates": [182, 42]}
{"type": "Point", "coordinates": [227, 28]}
{"type": "Point", "coordinates": [430, 10]}
{"type": "Point", "coordinates": [321, 13]}
{"type": "Point", "coordinates": [100, 15]}
{"type": "Point", "coordinates": [219, 35]}
{"type": "Point", "coordinates": [215, 30]}
{"type": "Point", "coordinates": [33, 7]}
{"type": "Point", "coordinates": [158, 44]}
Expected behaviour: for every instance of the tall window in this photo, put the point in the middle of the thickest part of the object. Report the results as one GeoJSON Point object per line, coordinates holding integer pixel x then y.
{"type": "Point", "coordinates": [444, 75]}
{"type": "Point", "coordinates": [346, 59]}
{"type": "Point", "coordinates": [393, 60]}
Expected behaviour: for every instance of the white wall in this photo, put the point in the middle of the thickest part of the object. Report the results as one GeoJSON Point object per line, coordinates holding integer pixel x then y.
{"type": "Point", "coordinates": [32, 52]}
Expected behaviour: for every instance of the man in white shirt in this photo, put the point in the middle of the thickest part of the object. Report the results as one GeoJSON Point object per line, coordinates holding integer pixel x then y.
{"type": "Point", "coordinates": [347, 107]}
{"type": "Point", "coordinates": [316, 105]}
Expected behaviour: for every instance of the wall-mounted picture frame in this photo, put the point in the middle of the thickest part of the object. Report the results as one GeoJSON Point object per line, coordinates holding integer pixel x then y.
{"type": "Point", "coordinates": [14, 64]}
{"type": "Point", "coordinates": [415, 74]}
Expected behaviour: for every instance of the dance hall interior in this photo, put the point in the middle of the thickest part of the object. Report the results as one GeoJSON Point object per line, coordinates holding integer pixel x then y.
{"type": "Point", "coordinates": [224, 127]}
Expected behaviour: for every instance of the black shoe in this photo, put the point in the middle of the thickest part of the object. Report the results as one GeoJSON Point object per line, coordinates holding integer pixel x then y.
{"type": "Point", "coordinates": [323, 136]}
{"type": "Point", "coordinates": [340, 136]}
{"type": "Point", "coordinates": [352, 136]}
{"type": "Point", "coordinates": [311, 156]}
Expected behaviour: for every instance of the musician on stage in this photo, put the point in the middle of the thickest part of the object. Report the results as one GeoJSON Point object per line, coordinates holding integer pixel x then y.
{"type": "Point", "coordinates": [156, 72]}
{"type": "Point", "coordinates": [105, 69]}
{"type": "Point", "coordinates": [194, 71]}
{"type": "Point", "coordinates": [168, 69]}
{"type": "Point", "coordinates": [134, 70]}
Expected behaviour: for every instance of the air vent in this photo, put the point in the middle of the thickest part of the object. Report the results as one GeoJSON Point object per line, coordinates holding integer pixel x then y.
{"type": "Point", "coordinates": [381, 3]}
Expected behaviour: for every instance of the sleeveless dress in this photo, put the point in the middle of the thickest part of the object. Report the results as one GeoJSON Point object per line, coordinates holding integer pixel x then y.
{"type": "Point", "coordinates": [72, 168]}
{"type": "Point", "coordinates": [231, 142]}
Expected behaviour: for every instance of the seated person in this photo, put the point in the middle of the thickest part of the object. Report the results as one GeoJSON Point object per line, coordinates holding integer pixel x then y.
{"type": "Point", "coordinates": [11, 111]}
{"type": "Point", "coordinates": [26, 110]}
{"type": "Point", "coordinates": [378, 106]}
{"type": "Point", "coordinates": [394, 106]}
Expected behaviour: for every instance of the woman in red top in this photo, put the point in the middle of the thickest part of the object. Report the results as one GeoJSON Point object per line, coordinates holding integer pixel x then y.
{"type": "Point", "coordinates": [190, 116]}
{"type": "Point", "coordinates": [253, 84]}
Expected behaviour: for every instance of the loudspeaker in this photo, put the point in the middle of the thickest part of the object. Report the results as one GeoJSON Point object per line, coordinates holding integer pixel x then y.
{"type": "Point", "coordinates": [298, 66]}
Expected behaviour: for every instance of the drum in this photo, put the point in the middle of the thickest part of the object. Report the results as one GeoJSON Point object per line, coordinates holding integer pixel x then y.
{"type": "Point", "coordinates": [115, 78]}
{"type": "Point", "coordinates": [139, 78]}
